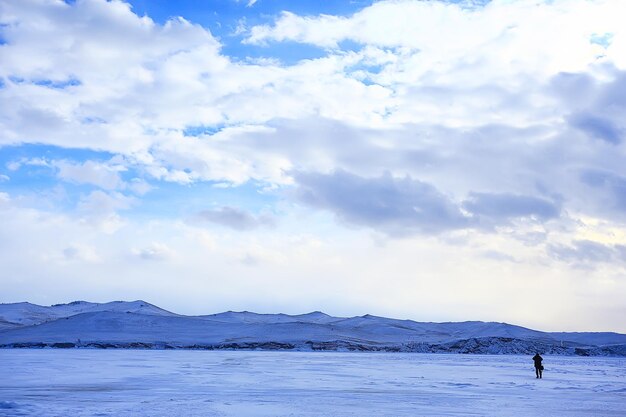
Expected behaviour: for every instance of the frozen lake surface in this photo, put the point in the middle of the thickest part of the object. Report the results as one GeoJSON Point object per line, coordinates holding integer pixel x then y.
{"type": "Point", "coordinates": [78, 383]}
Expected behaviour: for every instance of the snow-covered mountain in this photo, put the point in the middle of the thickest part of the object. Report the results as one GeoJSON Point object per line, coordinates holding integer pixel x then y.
{"type": "Point", "coordinates": [26, 314]}
{"type": "Point", "coordinates": [139, 324]}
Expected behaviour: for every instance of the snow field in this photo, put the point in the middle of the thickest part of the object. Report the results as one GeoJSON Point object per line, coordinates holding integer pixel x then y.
{"type": "Point", "coordinates": [84, 382]}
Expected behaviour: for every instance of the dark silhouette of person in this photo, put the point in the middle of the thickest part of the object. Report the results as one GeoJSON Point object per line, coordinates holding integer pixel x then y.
{"type": "Point", "coordinates": [538, 366]}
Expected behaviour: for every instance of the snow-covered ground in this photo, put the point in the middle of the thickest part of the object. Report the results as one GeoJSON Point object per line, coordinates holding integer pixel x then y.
{"type": "Point", "coordinates": [83, 382]}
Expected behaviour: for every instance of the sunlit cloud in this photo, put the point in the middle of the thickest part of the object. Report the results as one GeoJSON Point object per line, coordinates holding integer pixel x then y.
{"type": "Point", "coordinates": [382, 147]}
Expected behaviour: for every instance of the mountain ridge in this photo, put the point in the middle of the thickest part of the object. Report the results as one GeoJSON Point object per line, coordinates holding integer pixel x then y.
{"type": "Point", "coordinates": [139, 324]}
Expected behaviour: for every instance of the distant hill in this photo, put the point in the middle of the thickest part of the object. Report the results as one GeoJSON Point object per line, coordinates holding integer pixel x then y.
{"type": "Point", "coordinates": [139, 324]}
{"type": "Point", "coordinates": [25, 314]}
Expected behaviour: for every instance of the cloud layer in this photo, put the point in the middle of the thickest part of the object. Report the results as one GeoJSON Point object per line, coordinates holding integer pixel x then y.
{"type": "Point", "coordinates": [470, 130]}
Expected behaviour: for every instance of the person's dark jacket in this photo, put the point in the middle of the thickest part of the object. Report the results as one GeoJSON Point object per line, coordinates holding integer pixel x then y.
{"type": "Point", "coordinates": [537, 360]}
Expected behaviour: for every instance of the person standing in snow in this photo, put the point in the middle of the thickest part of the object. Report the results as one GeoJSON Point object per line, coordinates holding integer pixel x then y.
{"type": "Point", "coordinates": [538, 366]}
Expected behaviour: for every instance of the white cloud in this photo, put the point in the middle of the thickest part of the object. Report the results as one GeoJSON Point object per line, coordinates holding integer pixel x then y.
{"type": "Point", "coordinates": [147, 82]}
{"type": "Point", "coordinates": [36, 162]}
{"type": "Point", "coordinates": [100, 209]}
{"type": "Point", "coordinates": [139, 186]}
{"type": "Point", "coordinates": [473, 106]}
{"type": "Point", "coordinates": [156, 251]}
{"type": "Point", "coordinates": [5, 200]}
{"type": "Point", "coordinates": [81, 252]}
{"type": "Point", "coordinates": [102, 175]}
{"type": "Point", "coordinates": [516, 36]}
{"type": "Point", "coordinates": [13, 166]}
{"type": "Point", "coordinates": [235, 218]}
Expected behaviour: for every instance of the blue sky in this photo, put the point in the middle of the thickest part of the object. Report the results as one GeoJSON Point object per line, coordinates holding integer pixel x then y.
{"type": "Point", "coordinates": [224, 17]}
{"type": "Point", "coordinates": [430, 160]}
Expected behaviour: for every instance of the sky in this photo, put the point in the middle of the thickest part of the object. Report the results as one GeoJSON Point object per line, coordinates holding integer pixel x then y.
{"type": "Point", "coordinates": [429, 160]}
